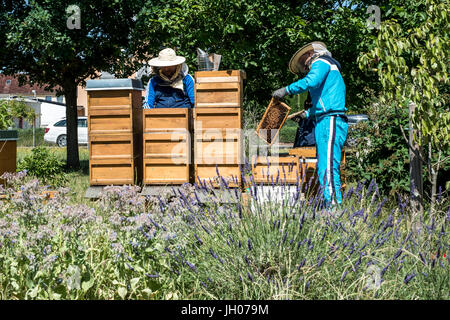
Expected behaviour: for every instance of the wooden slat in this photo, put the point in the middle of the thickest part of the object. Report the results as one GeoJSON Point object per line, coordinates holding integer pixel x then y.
{"type": "Point", "coordinates": [165, 171]}
{"type": "Point", "coordinates": [216, 85]}
{"type": "Point", "coordinates": [217, 79]}
{"type": "Point", "coordinates": [109, 98]}
{"type": "Point", "coordinates": [307, 152]}
{"type": "Point", "coordinates": [267, 169]}
{"type": "Point", "coordinates": [111, 171]}
{"type": "Point", "coordinates": [217, 118]}
{"type": "Point", "coordinates": [208, 173]}
{"type": "Point", "coordinates": [165, 118]}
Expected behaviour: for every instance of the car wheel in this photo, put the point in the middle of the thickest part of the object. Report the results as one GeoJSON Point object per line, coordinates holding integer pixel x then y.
{"type": "Point", "coordinates": [62, 140]}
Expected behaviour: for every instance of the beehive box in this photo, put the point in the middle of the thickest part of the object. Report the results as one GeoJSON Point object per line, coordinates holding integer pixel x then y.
{"type": "Point", "coordinates": [308, 159]}
{"type": "Point", "coordinates": [273, 119]}
{"type": "Point", "coordinates": [8, 152]}
{"type": "Point", "coordinates": [167, 145]}
{"type": "Point", "coordinates": [277, 170]}
{"type": "Point", "coordinates": [115, 131]}
{"type": "Point", "coordinates": [215, 89]}
{"type": "Point", "coordinates": [218, 145]}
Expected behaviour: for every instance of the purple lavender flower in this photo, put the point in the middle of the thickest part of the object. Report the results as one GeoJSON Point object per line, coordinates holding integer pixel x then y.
{"type": "Point", "coordinates": [250, 276]}
{"type": "Point", "coordinates": [198, 239]}
{"type": "Point", "coordinates": [152, 275]}
{"type": "Point", "coordinates": [213, 254]}
{"type": "Point", "coordinates": [192, 266]}
{"type": "Point", "coordinates": [422, 258]}
{"type": "Point", "coordinates": [246, 259]}
{"type": "Point", "coordinates": [408, 278]}
{"type": "Point", "coordinates": [397, 254]}
{"type": "Point", "coordinates": [343, 276]}
{"type": "Point", "coordinates": [249, 245]}
{"type": "Point", "coordinates": [321, 261]}
{"type": "Point", "coordinates": [284, 237]}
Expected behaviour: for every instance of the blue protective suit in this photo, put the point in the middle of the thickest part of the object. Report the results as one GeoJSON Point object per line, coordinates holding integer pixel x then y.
{"type": "Point", "coordinates": [161, 94]}
{"type": "Point", "coordinates": [327, 89]}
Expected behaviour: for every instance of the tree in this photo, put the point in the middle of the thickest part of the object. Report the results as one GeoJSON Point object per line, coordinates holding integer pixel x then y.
{"type": "Point", "coordinates": [412, 66]}
{"type": "Point", "coordinates": [260, 37]}
{"type": "Point", "coordinates": [49, 43]}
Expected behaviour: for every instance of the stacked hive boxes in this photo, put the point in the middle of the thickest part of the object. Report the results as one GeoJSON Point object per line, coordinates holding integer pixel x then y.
{"type": "Point", "coordinates": [115, 131]}
{"type": "Point", "coordinates": [217, 127]}
{"type": "Point", "coordinates": [167, 146]}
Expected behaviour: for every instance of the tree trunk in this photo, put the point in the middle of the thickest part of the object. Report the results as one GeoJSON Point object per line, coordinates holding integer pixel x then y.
{"type": "Point", "coordinates": [70, 92]}
{"type": "Point", "coordinates": [415, 168]}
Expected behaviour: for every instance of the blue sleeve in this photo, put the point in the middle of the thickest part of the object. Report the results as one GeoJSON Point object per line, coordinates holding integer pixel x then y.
{"type": "Point", "coordinates": [150, 99]}
{"type": "Point", "coordinates": [312, 80]}
{"type": "Point", "coordinates": [190, 88]}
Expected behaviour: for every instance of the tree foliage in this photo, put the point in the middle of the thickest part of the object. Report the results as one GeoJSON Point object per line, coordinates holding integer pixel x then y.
{"type": "Point", "coordinates": [411, 61]}
{"type": "Point", "coordinates": [412, 65]}
{"type": "Point", "coordinates": [38, 45]}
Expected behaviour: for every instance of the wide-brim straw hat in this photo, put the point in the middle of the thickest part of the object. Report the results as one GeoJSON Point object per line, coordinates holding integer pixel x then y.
{"type": "Point", "coordinates": [294, 65]}
{"type": "Point", "coordinates": [166, 58]}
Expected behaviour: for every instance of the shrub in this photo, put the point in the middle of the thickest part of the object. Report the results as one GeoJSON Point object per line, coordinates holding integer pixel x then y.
{"type": "Point", "coordinates": [41, 163]}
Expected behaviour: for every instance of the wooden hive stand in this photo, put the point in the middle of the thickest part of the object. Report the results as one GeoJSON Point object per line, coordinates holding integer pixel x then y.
{"type": "Point", "coordinates": [218, 127]}
{"type": "Point", "coordinates": [115, 131]}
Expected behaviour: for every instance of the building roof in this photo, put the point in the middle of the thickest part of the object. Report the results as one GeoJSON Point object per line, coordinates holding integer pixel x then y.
{"type": "Point", "coordinates": [14, 88]}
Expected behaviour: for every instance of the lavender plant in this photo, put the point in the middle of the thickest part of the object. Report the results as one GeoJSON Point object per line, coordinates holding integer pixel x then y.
{"type": "Point", "coordinates": [187, 245]}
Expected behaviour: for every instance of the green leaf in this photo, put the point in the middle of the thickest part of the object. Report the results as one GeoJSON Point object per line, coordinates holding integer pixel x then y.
{"type": "Point", "coordinates": [134, 282]}
{"type": "Point", "coordinates": [122, 292]}
{"type": "Point", "coordinates": [86, 285]}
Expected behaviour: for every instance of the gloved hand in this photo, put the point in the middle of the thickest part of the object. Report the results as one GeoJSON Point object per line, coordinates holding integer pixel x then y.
{"type": "Point", "coordinates": [297, 116]}
{"type": "Point", "coordinates": [280, 93]}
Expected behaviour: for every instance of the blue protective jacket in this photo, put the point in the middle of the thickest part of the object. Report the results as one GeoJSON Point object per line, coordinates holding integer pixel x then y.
{"type": "Point", "coordinates": [326, 86]}
{"type": "Point", "coordinates": [162, 95]}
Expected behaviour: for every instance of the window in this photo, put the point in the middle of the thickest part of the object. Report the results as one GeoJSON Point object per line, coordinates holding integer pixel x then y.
{"type": "Point", "coordinates": [82, 123]}
{"type": "Point", "coordinates": [61, 123]}
{"type": "Point", "coordinates": [48, 98]}
{"type": "Point", "coordinates": [60, 99]}
{"type": "Point", "coordinates": [8, 82]}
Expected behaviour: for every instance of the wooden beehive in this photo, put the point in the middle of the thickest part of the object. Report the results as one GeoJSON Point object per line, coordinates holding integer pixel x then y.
{"type": "Point", "coordinates": [277, 170]}
{"type": "Point", "coordinates": [8, 152]}
{"type": "Point", "coordinates": [219, 88]}
{"type": "Point", "coordinates": [217, 144]}
{"type": "Point", "coordinates": [115, 131]}
{"type": "Point", "coordinates": [218, 127]}
{"type": "Point", "coordinates": [167, 146]}
{"type": "Point", "coordinates": [273, 119]}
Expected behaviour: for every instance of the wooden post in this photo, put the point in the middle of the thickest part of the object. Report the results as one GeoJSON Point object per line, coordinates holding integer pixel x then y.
{"type": "Point", "coordinates": [415, 168]}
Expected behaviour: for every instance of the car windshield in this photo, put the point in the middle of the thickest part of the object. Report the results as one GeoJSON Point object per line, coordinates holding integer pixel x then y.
{"type": "Point", "coordinates": [61, 123]}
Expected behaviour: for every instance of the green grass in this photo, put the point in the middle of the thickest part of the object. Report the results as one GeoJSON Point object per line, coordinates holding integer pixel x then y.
{"type": "Point", "coordinates": [77, 180]}
{"type": "Point", "coordinates": [26, 138]}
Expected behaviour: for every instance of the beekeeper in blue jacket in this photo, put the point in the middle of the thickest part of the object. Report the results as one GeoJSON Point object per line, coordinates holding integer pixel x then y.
{"type": "Point", "coordinates": [171, 86]}
{"type": "Point", "coordinates": [324, 82]}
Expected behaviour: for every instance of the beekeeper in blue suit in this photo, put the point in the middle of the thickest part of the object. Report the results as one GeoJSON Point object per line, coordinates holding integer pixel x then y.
{"type": "Point", "coordinates": [324, 82]}
{"type": "Point", "coordinates": [170, 86]}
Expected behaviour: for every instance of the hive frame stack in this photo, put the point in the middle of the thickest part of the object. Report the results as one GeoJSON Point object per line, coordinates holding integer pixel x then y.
{"type": "Point", "coordinates": [218, 127]}
{"type": "Point", "coordinates": [115, 131]}
{"type": "Point", "coordinates": [167, 146]}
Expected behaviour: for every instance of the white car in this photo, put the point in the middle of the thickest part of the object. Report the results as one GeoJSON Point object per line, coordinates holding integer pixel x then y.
{"type": "Point", "coordinates": [57, 132]}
